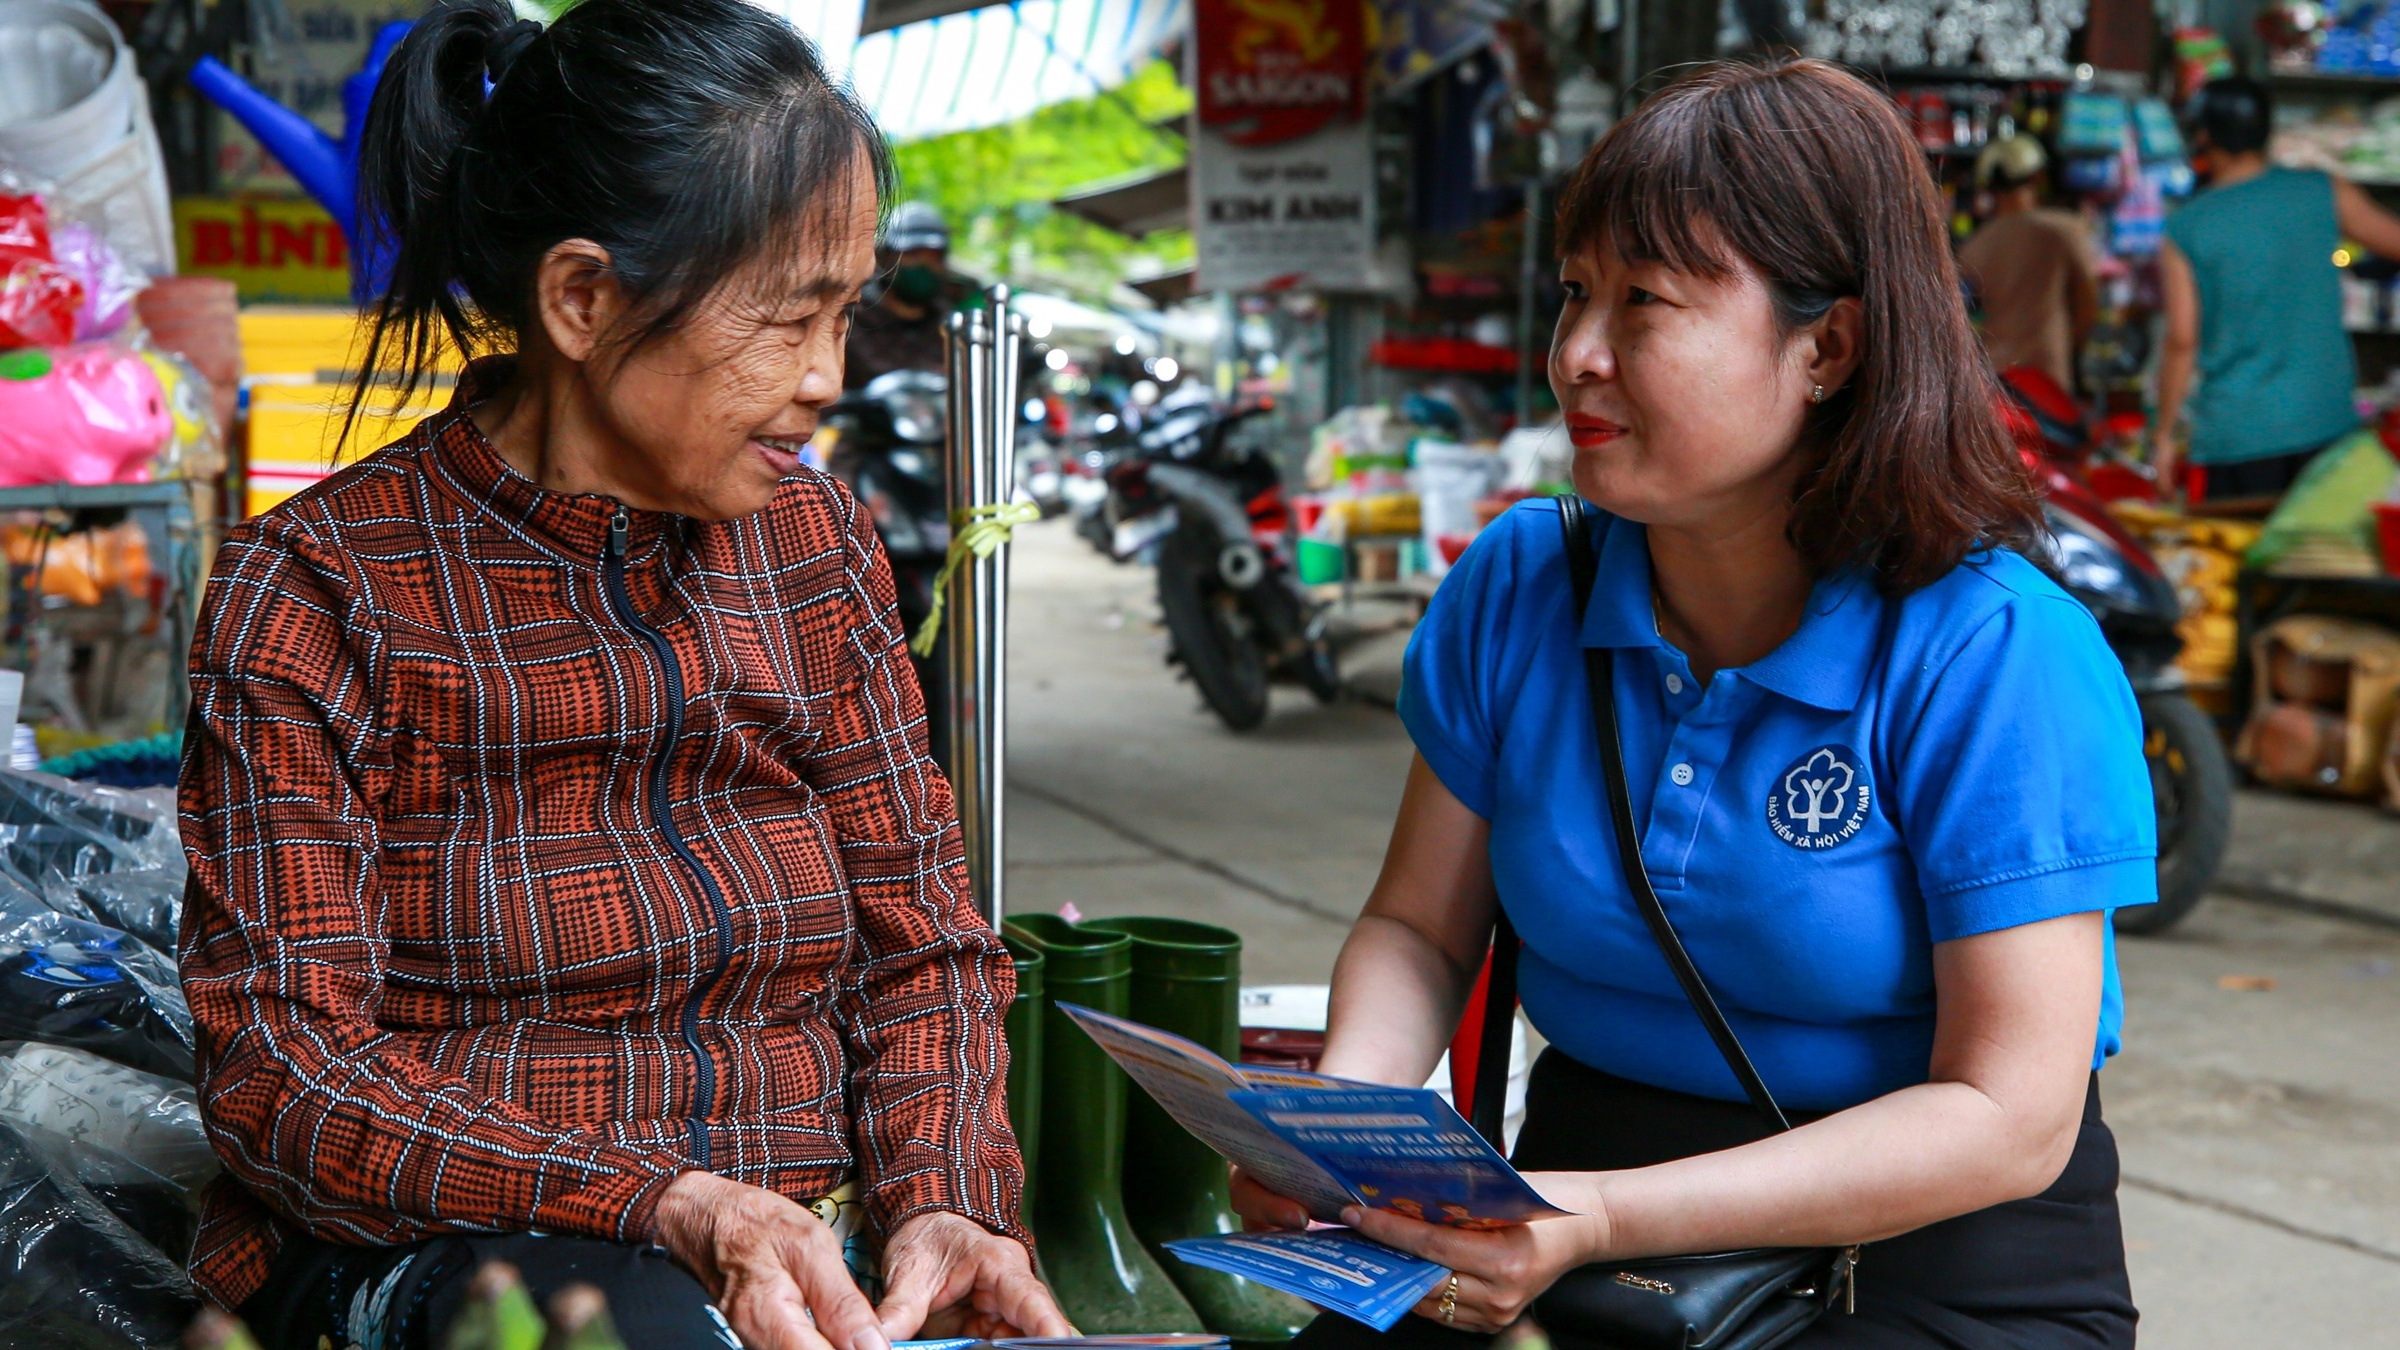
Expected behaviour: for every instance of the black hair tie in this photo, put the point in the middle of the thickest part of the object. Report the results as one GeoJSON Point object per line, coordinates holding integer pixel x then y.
{"type": "Point", "coordinates": [506, 46]}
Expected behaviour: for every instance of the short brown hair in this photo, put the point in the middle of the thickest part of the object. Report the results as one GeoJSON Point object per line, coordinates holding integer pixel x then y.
{"type": "Point", "coordinates": [1808, 175]}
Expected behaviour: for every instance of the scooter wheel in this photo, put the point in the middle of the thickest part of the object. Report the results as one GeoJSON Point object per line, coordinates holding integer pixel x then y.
{"type": "Point", "coordinates": [2192, 785]}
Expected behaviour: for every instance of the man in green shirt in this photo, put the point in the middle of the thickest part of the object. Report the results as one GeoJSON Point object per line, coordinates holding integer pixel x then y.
{"type": "Point", "coordinates": [2254, 303]}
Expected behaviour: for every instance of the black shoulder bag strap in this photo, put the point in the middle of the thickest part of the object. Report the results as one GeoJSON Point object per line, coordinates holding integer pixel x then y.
{"type": "Point", "coordinates": [1491, 1070]}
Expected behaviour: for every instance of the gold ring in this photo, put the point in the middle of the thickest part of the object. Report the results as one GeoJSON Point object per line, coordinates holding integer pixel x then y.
{"type": "Point", "coordinates": [1449, 1304]}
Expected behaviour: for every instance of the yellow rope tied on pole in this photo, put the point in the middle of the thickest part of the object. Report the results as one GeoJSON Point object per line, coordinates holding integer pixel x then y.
{"type": "Point", "coordinates": [978, 531]}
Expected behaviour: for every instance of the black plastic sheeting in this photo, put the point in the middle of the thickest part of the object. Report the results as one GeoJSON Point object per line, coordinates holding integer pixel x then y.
{"type": "Point", "coordinates": [102, 1155]}
{"type": "Point", "coordinates": [72, 1274]}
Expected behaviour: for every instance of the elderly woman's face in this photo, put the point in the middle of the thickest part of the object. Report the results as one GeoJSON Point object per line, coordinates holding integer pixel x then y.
{"type": "Point", "coordinates": [1679, 392]}
{"type": "Point", "coordinates": [712, 415]}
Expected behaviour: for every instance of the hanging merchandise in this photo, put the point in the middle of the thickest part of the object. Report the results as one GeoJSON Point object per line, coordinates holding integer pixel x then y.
{"type": "Point", "coordinates": [2012, 38]}
{"type": "Point", "coordinates": [2200, 56]}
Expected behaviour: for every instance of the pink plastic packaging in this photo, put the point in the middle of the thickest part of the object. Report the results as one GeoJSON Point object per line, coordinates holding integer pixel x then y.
{"type": "Point", "coordinates": [87, 414]}
{"type": "Point", "coordinates": [108, 284]}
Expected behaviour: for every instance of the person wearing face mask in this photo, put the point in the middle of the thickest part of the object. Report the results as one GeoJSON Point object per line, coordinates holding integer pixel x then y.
{"type": "Point", "coordinates": [1884, 777]}
{"type": "Point", "coordinates": [570, 883]}
{"type": "Point", "coordinates": [901, 329]}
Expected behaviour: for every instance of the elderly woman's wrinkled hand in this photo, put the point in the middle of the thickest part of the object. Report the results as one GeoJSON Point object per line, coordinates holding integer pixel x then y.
{"type": "Point", "coordinates": [947, 1275]}
{"type": "Point", "coordinates": [774, 1269]}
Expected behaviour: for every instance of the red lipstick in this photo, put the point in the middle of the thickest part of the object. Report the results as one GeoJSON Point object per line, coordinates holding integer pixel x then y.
{"type": "Point", "coordinates": [1586, 431]}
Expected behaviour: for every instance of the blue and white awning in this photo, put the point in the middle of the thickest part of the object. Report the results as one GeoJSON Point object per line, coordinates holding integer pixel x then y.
{"type": "Point", "coordinates": [985, 66]}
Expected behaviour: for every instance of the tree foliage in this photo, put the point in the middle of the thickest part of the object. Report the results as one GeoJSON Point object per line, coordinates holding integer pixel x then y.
{"type": "Point", "coordinates": [995, 185]}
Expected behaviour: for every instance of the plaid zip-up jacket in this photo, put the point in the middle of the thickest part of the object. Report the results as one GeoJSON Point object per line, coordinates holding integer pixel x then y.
{"type": "Point", "coordinates": [527, 876]}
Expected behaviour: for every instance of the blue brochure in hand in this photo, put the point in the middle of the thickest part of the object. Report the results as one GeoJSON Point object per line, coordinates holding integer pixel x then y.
{"type": "Point", "coordinates": [1326, 1142]}
{"type": "Point", "coordinates": [1330, 1267]}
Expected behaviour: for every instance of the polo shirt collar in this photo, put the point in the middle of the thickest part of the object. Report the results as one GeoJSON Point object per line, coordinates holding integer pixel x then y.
{"type": "Point", "coordinates": [1824, 664]}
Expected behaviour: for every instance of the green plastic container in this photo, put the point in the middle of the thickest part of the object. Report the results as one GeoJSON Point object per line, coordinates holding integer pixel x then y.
{"type": "Point", "coordinates": [1321, 562]}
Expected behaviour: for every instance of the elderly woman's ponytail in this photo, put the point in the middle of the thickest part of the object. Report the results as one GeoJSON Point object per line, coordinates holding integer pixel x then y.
{"type": "Point", "coordinates": [688, 138]}
{"type": "Point", "coordinates": [432, 90]}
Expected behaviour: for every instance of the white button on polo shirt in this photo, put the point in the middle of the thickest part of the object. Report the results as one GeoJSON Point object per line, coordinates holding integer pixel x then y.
{"type": "Point", "coordinates": [1682, 773]}
{"type": "Point", "coordinates": [1674, 683]}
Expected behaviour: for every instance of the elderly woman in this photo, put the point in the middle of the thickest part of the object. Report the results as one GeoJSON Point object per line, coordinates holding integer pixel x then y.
{"type": "Point", "coordinates": [571, 884]}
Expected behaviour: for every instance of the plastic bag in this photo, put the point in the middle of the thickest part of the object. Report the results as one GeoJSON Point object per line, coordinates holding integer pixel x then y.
{"type": "Point", "coordinates": [72, 1274]}
{"type": "Point", "coordinates": [24, 227]}
{"type": "Point", "coordinates": [38, 298]}
{"type": "Point", "coordinates": [2326, 524]}
{"type": "Point", "coordinates": [134, 1140]}
{"type": "Point", "coordinates": [72, 982]}
{"type": "Point", "coordinates": [134, 825]}
{"type": "Point", "coordinates": [87, 414]}
{"type": "Point", "coordinates": [146, 905]}
{"type": "Point", "coordinates": [77, 984]}
{"type": "Point", "coordinates": [38, 301]}
{"type": "Point", "coordinates": [109, 286]}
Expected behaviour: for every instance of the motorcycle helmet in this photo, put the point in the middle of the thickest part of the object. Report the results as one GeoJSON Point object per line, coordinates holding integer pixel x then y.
{"type": "Point", "coordinates": [916, 225]}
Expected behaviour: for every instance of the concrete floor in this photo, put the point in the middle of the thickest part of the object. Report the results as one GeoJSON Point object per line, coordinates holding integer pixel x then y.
{"type": "Point", "coordinates": [2260, 1127]}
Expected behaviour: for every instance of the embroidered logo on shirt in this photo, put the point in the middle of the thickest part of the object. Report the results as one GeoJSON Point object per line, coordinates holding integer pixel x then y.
{"type": "Point", "coordinates": [1821, 800]}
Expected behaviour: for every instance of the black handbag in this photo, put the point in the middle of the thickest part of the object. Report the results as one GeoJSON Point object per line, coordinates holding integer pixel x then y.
{"type": "Point", "coordinates": [1742, 1300]}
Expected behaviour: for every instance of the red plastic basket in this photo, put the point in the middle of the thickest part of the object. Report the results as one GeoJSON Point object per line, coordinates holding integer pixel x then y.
{"type": "Point", "coordinates": [2387, 525]}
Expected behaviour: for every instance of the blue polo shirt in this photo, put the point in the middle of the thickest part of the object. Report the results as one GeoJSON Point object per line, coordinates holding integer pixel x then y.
{"type": "Point", "coordinates": [1898, 773]}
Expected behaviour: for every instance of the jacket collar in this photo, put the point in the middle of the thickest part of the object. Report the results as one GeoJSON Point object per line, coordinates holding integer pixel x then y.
{"type": "Point", "coordinates": [1824, 664]}
{"type": "Point", "coordinates": [573, 525]}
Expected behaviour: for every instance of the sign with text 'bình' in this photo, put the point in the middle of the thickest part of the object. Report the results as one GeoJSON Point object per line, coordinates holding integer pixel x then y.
{"type": "Point", "coordinates": [271, 249]}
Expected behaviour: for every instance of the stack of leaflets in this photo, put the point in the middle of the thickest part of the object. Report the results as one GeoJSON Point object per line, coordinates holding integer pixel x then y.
{"type": "Point", "coordinates": [1328, 1143]}
{"type": "Point", "coordinates": [1160, 1341]}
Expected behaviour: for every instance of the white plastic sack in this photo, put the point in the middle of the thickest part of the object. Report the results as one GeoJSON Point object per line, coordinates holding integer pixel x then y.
{"type": "Point", "coordinates": [74, 113]}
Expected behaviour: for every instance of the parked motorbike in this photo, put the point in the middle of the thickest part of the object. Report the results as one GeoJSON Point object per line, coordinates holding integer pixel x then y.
{"type": "Point", "coordinates": [1211, 508]}
{"type": "Point", "coordinates": [886, 445]}
{"type": "Point", "coordinates": [2104, 566]}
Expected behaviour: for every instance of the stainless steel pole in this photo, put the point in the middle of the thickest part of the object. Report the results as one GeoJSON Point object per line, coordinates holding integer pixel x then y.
{"type": "Point", "coordinates": [982, 360]}
{"type": "Point", "coordinates": [1000, 479]}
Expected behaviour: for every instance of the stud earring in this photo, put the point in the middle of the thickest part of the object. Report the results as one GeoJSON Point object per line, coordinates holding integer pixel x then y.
{"type": "Point", "coordinates": [1816, 393]}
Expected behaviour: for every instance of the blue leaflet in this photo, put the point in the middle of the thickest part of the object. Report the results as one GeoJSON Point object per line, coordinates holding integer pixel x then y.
{"type": "Point", "coordinates": [1330, 1267]}
{"type": "Point", "coordinates": [1401, 1149]}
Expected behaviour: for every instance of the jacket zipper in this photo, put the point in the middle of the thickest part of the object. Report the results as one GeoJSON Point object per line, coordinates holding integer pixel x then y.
{"type": "Point", "coordinates": [612, 572]}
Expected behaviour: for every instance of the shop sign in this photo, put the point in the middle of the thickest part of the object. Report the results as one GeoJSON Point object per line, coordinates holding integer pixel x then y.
{"type": "Point", "coordinates": [1296, 215]}
{"type": "Point", "coordinates": [1270, 71]}
{"type": "Point", "coordinates": [1283, 169]}
{"type": "Point", "coordinates": [270, 248]}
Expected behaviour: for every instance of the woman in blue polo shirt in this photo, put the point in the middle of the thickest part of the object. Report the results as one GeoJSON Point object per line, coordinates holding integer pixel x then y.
{"type": "Point", "coordinates": [1887, 777]}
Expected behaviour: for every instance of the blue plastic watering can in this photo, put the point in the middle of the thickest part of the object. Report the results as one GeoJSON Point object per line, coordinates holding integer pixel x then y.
{"type": "Point", "coordinates": [326, 168]}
